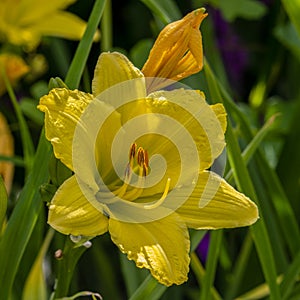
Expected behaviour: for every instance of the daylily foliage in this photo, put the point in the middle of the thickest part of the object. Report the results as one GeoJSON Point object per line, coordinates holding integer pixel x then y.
{"type": "Point", "coordinates": [159, 243]}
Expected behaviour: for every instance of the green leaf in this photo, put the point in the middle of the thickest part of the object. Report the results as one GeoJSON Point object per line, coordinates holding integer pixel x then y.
{"type": "Point", "coordinates": [290, 277]}
{"type": "Point", "coordinates": [211, 264]}
{"type": "Point", "coordinates": [247, 9]}
{"type": "Point", "coordinates": [27, 143]}
{"type": "Point", "coordinates": [166, 10]}
{"type": "Point", "coordinates": [292, 8]}
{"type": "Point", "coordinates": [81, 55]}
{"type": "Point", "coordinates": [28, 107]}
{"type": "Point", "coordinates": [38, 89]}
{"type": "Point", "coordinates": [199, 273]}
{"type": "Point", "coordinates": [35, 287]}
{"type": "Point", "coordinates": [276, 195]}
{"type": "Point", "coordinates": [3, 202]}
{"type": "Point", "coordinates": [254, 144]}
{"type": "Point", "coordinates": [66, 267]}
{"type": "Point", "coordinates": [132, 275]}
{"type": "Point", "coordinates": [25, 214]}
{"type": "Point", "coordinates": [289, 37]}
{"type": "Point", "coordinates": [150, 289]}
{"type": "Point", "coordinates": [140, 51]}
{"type": "Point", "coordinates": [243, 181]}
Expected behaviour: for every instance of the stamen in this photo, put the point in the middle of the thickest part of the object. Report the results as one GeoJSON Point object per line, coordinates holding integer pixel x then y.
{"type": "Point", "coordinates": [137, 191]}
{"type": "Point", "coordinates": [127, 172]}
{"type": "Point", "coordinates": [132, 151]}
{"type": "Point", "coordinates": [145, 170]}
{"type": "Point", "coordinates": [146, 158]}
{"type": "Point", "coordinates": [162, 198]}
{"type": "Point", "coordinates": [142, 166]}
{"type": "Point", "coordinates": [140, 156]}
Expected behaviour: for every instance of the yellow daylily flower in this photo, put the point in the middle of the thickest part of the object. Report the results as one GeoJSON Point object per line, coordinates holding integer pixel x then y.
{"type": "Point", "coordinates": [146, 210]}
{"type": "Point", "coordinates": [14, 67]}
{"type": "Point", "coordinates": [177, 52]}
{"type": "Point", "coordinates": [24, 22]}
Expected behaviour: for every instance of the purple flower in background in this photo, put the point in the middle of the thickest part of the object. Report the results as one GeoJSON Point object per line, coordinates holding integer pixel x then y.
{"type": "Point", "coordinates": [234, 53]}
{"type": "Point", "coordinates": [266, 2]}
{"type": "Point", "coordinates": [202, 249]}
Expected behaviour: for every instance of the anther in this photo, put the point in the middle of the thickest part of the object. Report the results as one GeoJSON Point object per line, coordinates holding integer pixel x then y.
{"type": "Point", "coordinates": [132, 151]}
{"type": "Point", "coordinates": [140, 156]}
{"type": "Point", "coordinates": [145, 170]}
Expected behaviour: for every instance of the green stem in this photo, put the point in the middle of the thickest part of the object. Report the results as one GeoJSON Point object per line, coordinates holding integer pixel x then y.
{"type": "Point", "coordinates": [27, 144]}
{"type": "Point", "coordinates": [3, 203]}
{"type": "Point", "coordinates": [150, 289]}
{"type": "Point", "coordinates": [80, 58]}
{"type": "Point", "coordinates": [200, 273]}
{"type": "Point", "coordinates": [211, 264]}
{"type": "Point", "coordinates": [66, 268]}
{"type": "Point", "coordinates": [239, 268]}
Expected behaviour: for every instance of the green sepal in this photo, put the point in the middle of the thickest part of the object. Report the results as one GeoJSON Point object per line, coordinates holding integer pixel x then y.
{"type": "Point", "coordinates": [56, 83]}
{"type": "Point", "coordinates": [58, 171]}
{"type": "Point", "coordinates": [47, 191]}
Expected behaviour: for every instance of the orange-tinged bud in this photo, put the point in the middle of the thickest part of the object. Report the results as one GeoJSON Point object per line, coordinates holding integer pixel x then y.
{"type": "Point", "coordinates": [177, 52]}
{"type": "Point", "coordinates": [6, 149]}
{"type": "Point", "coordinates": [14, 67]}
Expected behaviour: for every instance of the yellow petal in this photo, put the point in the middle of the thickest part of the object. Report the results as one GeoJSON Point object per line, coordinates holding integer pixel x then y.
{"type": "Point", "coordinates": [71, 213]}
{"type": "Point", "coordinates": [221, 114]}
{"type": "Point", "coordinates": [63, 108]}
{"type": "Point", "coordinates": [177, 52]}
{"type": "Point", "coordinates": [24, 22]}
{"type": "Point", "coordinates": [183, 129]}
{"type": "Point", "coordinates": [99, 138]}
{"type": "Point", "coordinates": [161, 246]}
{"type": "Point", "coordinates": [215, 204]}
{"type": "Point", "coordinates": [6, 149]}
{"type": "Point", "coordinates": [60, 24]}
{"type": "Point", "coordinates": [194, 115]}
{"type": "Point", "coordinates": [114, 68]}
{"type": "Point", "coordinates": [35, 10]}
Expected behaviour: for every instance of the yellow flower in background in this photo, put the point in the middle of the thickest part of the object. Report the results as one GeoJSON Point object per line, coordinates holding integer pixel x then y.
{"type": "Point", "coordinates": [14, 67]}
{"type": "Point", "coordinates": [6, 149]}
{"type": "Point", "coordinates": [24, 22]}
{"type": "Point", "coordinates": [148, 224]}
{"type": "Point", "coordinates": [177, 52]}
